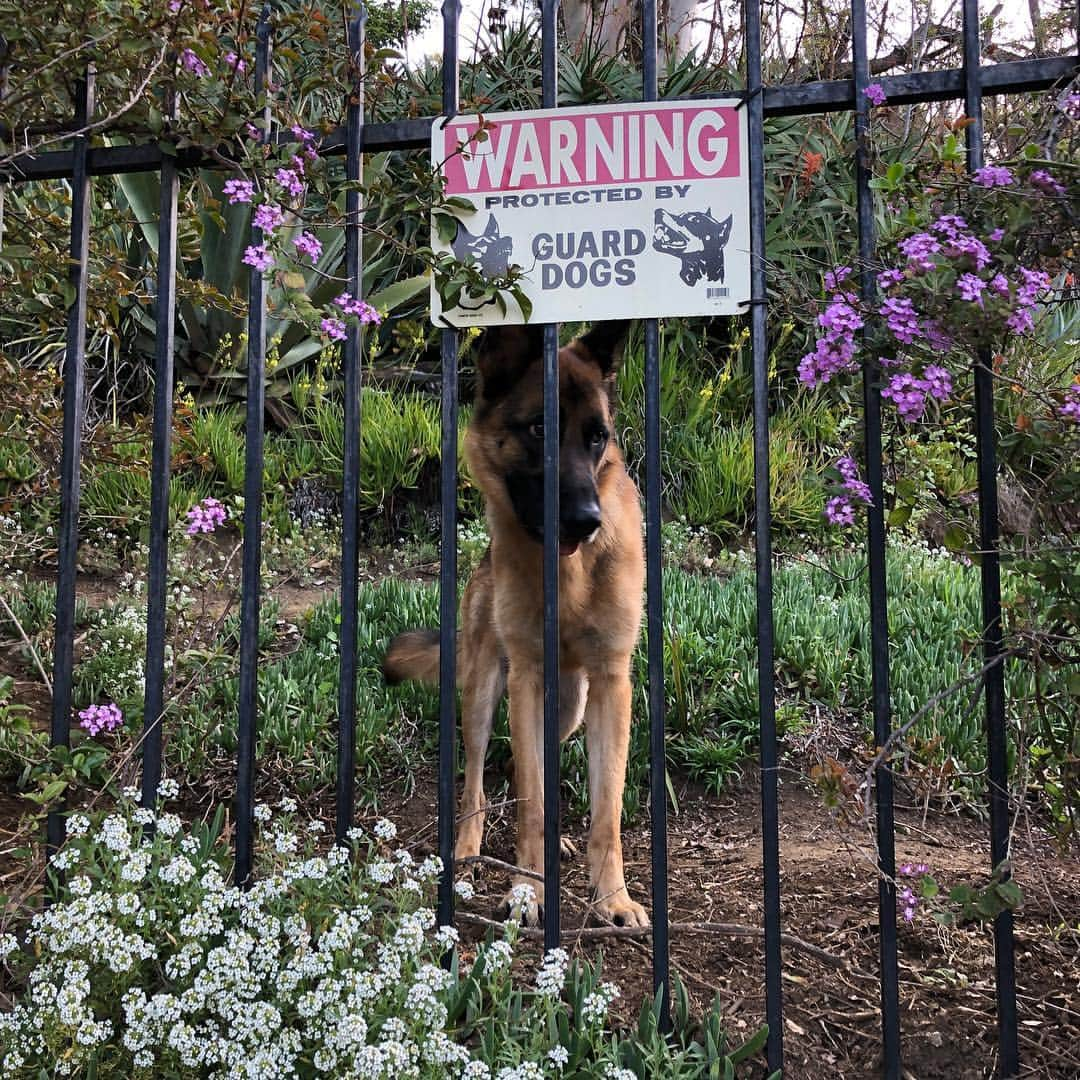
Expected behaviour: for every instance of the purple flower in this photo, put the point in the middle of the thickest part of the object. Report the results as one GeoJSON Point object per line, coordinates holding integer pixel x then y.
{"type": "Point", "coordinates": [875, 94]}
{"type": "Point", "coordinates": [1020, 321]}
{"type": "Point", "coordinates": [840, 317]}
{"type": "Point", "coordinates": [909, 903]}
{"type": "Point", "coordinates": [239, 191]}
{"type": "Point", "coordinates": [1070, 409]}
{"type": "Point", "coordinates": [918, 249]}
{"type": "Point", "coordinates": [253, 132]}
{"type": "Point", "coordinates": [938, 381]}
{"type": "Point", "coordinates": [289, 180]}
{"type": "Point", "coordinates": [908, 394]}
{"type": "Point", "coordinates": [1035, 281]}
{"type": "Point", "coordinates": [847, 468]}
{"type": "Point", "coordinates": [256, 255]}
{"type": "Point", "coordinates": [950, 226]}
{"type": "Point", "coordinates": [205, 517]}
{"type": "Point", "coordinates": [1045, 183]}
{"type": "Point", "coordinates": [853, 485]}
{"type": "Point", "coordinates": [995, 236]}
{"type": "Point", "coordinates": [971, 288]}
{"type": "Point", "coordinates": [97, 718]}
{"type": "Point", "coordinates": [993, 176]}
{"type": "Point", "coordinates": [839, 511]}
{"type": "Point", "coordinates": [962, 245]}
{"type": "Point", "coordinates": [888, 278]}
{"type": "Point", "coordinates": [174, 6]}
{"type": "Point", "coordinates": [268, 217]}
{"type": "Point", "coordinates": [901, 316]}
{"type": "Point", "coordinates": [333, 329]}
{"type": "Point", "coordinates": [1000, 284]}
{"type": "Point", "coordinates": [302, 134]}
{"type": "Point", "coordinates": [362, 310]}
{"type": "Point", "coordinates": [936, 337]}
{"type": "Point", "coordinates": [835, 276]}
{"type": "Point", "coordinates": [194, 64]}
{"type": "Point", "coordinates": [235, 62]}
{"type": "Point", "coordinates": [308, 244]}
{"type": "Point", "coordinates": [833, 353]}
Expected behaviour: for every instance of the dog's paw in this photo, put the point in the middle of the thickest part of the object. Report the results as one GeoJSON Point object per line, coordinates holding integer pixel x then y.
{"type": "Point", "coordinates": [619, 910]}
{"type": "Point", "coordinates": [522, 903]}
{"type": "Point", "coordinates": [567, 849]}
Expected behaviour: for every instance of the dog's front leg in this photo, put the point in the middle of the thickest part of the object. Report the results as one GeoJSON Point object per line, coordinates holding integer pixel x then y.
{"type": "Point", "coordinates": [607, 735]}
{"type": "Point", "coordinates": [527, 741]}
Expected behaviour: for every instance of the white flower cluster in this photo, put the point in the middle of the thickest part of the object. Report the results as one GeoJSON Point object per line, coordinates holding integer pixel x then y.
{"type": "Point", "coordinates": [552, 974]}
{"type": "Point", "coordinates": [328, 965]}
{"type": "Point", "coordinates": [595, 1006]}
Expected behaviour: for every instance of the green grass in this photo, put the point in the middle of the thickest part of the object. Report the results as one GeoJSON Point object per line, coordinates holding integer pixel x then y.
{"type": "Point", "coordinates": [298, 697]}
{"type": "Point", "coordinates": [822, 650]}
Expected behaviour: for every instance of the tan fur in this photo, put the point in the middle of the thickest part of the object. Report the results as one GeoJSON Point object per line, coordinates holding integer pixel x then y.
{"type": "Point", "coordinates": [501, 635]}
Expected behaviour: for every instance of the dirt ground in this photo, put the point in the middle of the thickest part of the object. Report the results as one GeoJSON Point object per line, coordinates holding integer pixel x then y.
{"type": "Point", "coordinates": [829, 910]}
{"type": "Point", "coordinates": [829, 913]}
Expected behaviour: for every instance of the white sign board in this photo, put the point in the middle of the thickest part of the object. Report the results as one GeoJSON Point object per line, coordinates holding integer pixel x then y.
{"type": "Point", "coordinates": [615, 211]}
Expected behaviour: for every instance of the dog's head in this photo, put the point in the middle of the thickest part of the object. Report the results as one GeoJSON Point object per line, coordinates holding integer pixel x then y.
{"type": "Point", "coordinates": [505, 443]}
{"type": "Point", "coordinates": [693, 237]}
{"type": "Point", "coordinates": [490, 249]}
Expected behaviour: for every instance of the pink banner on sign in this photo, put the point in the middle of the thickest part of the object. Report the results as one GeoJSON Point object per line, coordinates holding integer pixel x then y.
{"type": "Point", "coordinates": [608, 147]}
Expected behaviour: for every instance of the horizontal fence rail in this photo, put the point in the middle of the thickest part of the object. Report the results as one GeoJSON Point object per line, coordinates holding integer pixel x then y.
{"type": "Point", "coordinates": [838, 95]}
{"type": "Point", "coordinates": [80, 162]}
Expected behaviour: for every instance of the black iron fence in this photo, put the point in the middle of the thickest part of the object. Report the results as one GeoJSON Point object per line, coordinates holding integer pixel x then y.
{"type": "Point", "coordinates": [82, 161]}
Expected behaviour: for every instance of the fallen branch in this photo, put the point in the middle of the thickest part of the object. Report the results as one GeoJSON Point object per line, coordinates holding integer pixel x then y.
{"type": "Point", "coordinates": [29, 644]}
{"type": "Point", "coordinates": [597, 933]}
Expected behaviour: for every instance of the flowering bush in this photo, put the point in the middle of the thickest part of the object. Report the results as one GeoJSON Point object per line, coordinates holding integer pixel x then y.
{"type": "Point", "coordinates": [953, 283]}
{"type": "Point", "coordinates": [150, 964]}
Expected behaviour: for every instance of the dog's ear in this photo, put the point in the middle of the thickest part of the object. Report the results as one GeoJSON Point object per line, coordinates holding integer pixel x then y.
{"type": "Point", "coordinates": [603, 344]}
{"type": "Point", "coordinates": [505, 352]}
{"type": "Point", "coordinates": [492, 229]}
{"type": "Point", "coordinates": [725, 229]}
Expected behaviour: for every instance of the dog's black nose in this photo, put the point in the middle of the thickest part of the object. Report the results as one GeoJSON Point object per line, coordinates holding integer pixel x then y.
{"type": "Point", "coordinates": [580, 519]}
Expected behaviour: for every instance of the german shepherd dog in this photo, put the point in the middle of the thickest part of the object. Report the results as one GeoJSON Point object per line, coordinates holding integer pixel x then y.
{"type": "Point", "coordinates": [601, 580]}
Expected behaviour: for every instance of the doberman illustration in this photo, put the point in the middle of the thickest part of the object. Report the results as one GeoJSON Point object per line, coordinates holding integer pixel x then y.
{"type": "Point", "coordinates": [489, 249]}
{"type": "Point", "coordinates": [696, 239]}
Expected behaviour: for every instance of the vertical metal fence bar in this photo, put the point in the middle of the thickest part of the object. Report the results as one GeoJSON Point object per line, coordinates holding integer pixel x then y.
{"type": "Point", "coordinates": [770, 809]}
{"type": "Point", "coordinates": [990, 568]}
{"type": "Point", "coordinates": [875, 549]}
{"type": "Point", "coordinates": [71, 453]}
{"type": "Point", "coordinates": [550, 99]}
{"type": "Point", "coordinates": [253, 475]}
{"type": "Point", "coordinates": [655, 598]}
{"type": "Point", "coordinates": [352, 360]}
{"type": "Point", "coordinates": [451, 12]}
{"type": "Point", "coordinates": [160, 455]}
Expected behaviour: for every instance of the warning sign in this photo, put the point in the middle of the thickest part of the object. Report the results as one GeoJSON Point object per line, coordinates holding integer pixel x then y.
{"type": "Point", "coordinates": [619, 211]}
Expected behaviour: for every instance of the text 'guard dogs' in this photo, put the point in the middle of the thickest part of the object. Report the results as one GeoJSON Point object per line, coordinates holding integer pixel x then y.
{"type": "Point", "coordinates": [601, 579]}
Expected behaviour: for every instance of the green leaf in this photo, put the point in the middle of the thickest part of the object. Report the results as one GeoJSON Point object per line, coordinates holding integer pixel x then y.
{"type": "Point", "coordinates": [955, 538]}
{"type": "Point", "coordinates": [1010, 893]}
{"type": "Point", "coordinates": [400, 292]}
{"type": "Point", "coordinates": [900, 515]}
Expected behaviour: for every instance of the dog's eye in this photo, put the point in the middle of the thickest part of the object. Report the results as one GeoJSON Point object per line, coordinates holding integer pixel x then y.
{"type": "Point", "coordinates": [598, 437]}
{"type": "Point", "coordinates": [536, 429]}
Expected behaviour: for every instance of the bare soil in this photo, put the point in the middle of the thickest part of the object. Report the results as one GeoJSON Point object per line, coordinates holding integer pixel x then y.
{"type": "Point", "coordinates": [829, 906]}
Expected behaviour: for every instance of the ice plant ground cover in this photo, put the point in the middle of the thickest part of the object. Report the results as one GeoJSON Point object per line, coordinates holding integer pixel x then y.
{"type": "Point", "coordinates": [152, 964]}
